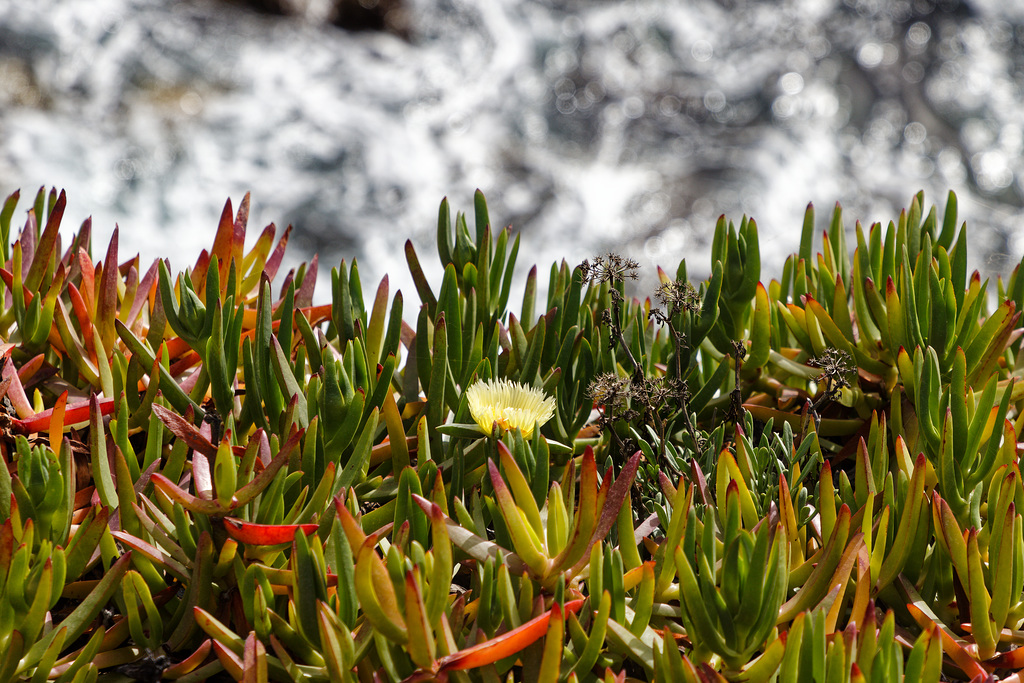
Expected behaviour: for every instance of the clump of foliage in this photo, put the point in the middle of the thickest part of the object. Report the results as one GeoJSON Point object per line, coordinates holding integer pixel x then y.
{"type": "Point", "coordinates": [813, 479]}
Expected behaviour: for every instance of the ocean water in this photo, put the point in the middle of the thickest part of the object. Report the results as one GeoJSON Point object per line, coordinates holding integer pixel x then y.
{"type": "Point", "coordinates": [589, 125]}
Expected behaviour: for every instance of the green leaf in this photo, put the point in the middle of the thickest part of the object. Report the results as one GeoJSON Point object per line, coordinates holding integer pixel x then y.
{"type": "Point", "coordinates": [286, 380]}
{"type": "Point", "coordinates": [87, 610]}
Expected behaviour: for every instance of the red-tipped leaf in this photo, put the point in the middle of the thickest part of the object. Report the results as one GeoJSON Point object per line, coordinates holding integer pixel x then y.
{"type": "Point", "coordinates": [251, 533]}
{"type": "Point", "coordinates": [506, 644]}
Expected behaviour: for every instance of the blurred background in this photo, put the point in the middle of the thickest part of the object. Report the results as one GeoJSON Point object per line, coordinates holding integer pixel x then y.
{"type": "Point", "coordinates": [589, 125]}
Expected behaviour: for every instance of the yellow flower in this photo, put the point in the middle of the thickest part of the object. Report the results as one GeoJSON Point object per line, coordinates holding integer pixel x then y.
{"type": "Point", "coordinates": [510, 405]}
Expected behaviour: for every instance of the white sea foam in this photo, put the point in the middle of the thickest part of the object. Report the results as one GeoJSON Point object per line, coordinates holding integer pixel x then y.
{"type": "Point", "coordinates": [589, 126]}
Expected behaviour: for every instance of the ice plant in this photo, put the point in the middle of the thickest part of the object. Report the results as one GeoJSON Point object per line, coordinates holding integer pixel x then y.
{"type": "Point", "coordinates": [167, 481]}
{"type": "Point", "coordinates": [510, 405]}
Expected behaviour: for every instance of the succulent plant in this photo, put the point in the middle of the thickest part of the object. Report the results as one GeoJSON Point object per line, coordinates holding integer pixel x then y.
{"type": "Point", "coordinates": [815, 478]}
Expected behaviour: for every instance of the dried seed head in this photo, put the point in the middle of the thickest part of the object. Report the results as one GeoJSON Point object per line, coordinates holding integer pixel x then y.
{"type": "Point", "coordinates": [611, 391]}
{"type": "Point", "coordinates": [609, 268]}
{"type": "Point", "coordinates": [679, 295]}
{"type": "Point", "coordinates": [835, 366]}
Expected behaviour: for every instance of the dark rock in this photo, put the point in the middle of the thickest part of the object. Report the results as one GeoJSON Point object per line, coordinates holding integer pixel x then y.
{"type": "Point", "coordinates": [371, 15]}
